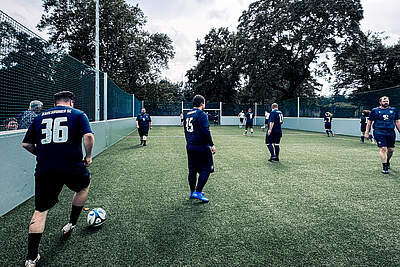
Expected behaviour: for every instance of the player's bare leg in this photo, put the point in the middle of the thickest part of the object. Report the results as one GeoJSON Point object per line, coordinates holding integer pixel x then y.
{"type": "Point", "coordinates": [144, 140]}
{"type": "Point", "coordinates": [383, 153]}
{"type": "Point", "coordinates": [78, 201]}
{"type": "Point", "coordinates": [36, 228]}
{"type": "Point", "coordinates": [389, 156]}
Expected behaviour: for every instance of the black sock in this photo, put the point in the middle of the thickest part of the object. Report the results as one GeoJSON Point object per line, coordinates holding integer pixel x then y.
{"type": "Point", "coordinates": [271, 150]}
{"type": "Point", "coordinates": [362, 139]}
{"type": "Point", "coordinates": [33, 245]}
{"type": "Point", "coordinates": [192, 181]}
{"type": "Point", "coordinates": [144, 142]}
{"type": "Point", "coordinates": [384, 165]}
{"type": "Point", "coordinates": [327, 132]}
{"type": "Point", "coordinates": [75, 212]}
{"type": "Point", "coordinates": [141, 141]}
{"type": "Point", "coordinates": [277, 151]}
{"type": "Point", "coordinates": [203, 178]}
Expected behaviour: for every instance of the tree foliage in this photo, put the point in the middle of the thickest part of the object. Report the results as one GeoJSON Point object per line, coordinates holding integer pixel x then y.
{"type": "Point", "coordinates": [367, 64]}
{"type": "Point", "coordinates": [131, 56]}
{"type": "Point", "coordinates": [216, 75]}
{"type": "Point", "coordinates": [279, 40]}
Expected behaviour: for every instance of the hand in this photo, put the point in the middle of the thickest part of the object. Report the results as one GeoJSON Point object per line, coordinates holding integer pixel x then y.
{"type": "Point", "coordinates": [269, 132]}
{"type": "Point", "coordinates": [151, 127]}
{"type": "Point", "coordinates": [87, 161]}
{"type": "Point", "coordinates": [213, 150]}
{"type": "Point", "coordinates": [367, 135]}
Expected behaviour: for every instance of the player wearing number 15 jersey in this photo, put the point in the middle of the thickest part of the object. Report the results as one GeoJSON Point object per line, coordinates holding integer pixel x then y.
{"type": "Point", "coordinates": [274, 133]}
{"type": "Point", "coordinates": [55, 138]}
{"type": "Point", "coordinates": [199, 147]}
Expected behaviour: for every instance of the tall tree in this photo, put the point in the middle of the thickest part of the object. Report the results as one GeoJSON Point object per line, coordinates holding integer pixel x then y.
{"type": "Point", "coordinates": [367, 64]}
{"type": "Point", "coordinates": [279, 40]}
{"type": "Point", "coordinates": [216, 75]}
{"type": "Point", "coordinates": [130, 55]}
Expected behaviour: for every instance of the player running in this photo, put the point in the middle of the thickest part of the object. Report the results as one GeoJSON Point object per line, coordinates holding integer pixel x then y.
{"type": "Point", "coordinates": [384, 119]}
{"type": "Point", "coordinates": [274, 134]}
{"type": "Point", "coordinates": [249, 121]}
{"type": "Point", "coordinates": [328, 123]}
{"type": "Point", "coordinates": [241, 116]}
{"type": "Point", "coordinates": [143, 123]}
{"type": "Point", "coordinates": [363, 122]}
{"type": "Point", "coordinates": [199, 147]}
{"type": "Point", "coordinates": [55, 138]}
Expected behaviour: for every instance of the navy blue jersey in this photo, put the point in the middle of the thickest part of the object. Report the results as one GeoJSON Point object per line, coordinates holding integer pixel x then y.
{"type": "Point", "coordinates": [58, 134]}
{"type": "Point", "coordinates": [276, 117]}
{"type": "Point", "coordinates": [327, 119]}
{"type": "Point", "coordinates": [143, 120]}
{"type": "Point", "coordinates": [363, 120]}
{"type": "Point", "coordinates": [197, 130]}
{"type": "Point", "coordinates": [383, 119]}
{"type": "Point", "coordinates": [249, 117]}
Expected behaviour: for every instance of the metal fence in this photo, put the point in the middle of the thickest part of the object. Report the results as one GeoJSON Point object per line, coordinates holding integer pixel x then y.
{"type": "Point", "coordinates": [32, 69]}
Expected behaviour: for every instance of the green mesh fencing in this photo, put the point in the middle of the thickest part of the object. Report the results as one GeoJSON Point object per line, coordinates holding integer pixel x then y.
{"type": "Point", "coordinates": [138, 107]}
{"type": "Point", "coordinates": [163, 109]}
{"type": "Point", "coordinates": [32, 69]}
{"type": "Point", "coordinates": [119, 103]}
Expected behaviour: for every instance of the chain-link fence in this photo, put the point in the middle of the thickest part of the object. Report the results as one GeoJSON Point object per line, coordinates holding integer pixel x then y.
{"type": "Point", "coordinates": [32, 69]}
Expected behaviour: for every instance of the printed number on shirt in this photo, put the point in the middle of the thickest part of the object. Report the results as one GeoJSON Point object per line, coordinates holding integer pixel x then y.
{"type": "Point", "coordinates": [54, 131]}
{"type": "Point", "coordinates": [189, 125]}
{"type": "Point", "coordinates": [281, 118]}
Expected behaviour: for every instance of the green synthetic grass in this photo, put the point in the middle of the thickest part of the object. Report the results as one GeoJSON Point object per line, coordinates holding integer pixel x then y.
{"type": "Point", "coordinates": [325, 203]}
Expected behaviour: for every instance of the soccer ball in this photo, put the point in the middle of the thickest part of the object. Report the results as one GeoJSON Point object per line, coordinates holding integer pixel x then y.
{"type": "Point", "coordinates": [96, 217]}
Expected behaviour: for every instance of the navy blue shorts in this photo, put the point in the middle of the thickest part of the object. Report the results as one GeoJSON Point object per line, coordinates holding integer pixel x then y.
{"type": "Point", "coordinates": [49, 185]}
{"type": "Point", "coordinates": [328, 126]}
{"type": "Point", "coordinates": [199, 161]}
{"type": "Point", "coordinates": [363, 127]}
{"type": "Point", "coordinates": [385, 140]}
{"type": "Point", "coordinates": [273, 138]}
{"type": "Point", "coordinates": [249, 124]}
{"type": "Point", "coordinates": [143, 130]}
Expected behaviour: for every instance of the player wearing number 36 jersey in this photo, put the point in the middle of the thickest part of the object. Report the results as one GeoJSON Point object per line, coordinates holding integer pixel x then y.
{"type": "Point", "coordinates": [199, 147]}
{"type": "Point", "coordinates": [55, 138]}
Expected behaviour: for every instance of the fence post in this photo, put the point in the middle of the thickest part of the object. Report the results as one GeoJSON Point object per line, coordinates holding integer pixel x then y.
{"type": "Point", "coordinates": [133, 105]}
{"type": "Point", "coordinates": [105, 89]}
{"type": "Point", "coordinates": [298, 113]}
{"type": "Point", "coordinates": [142, 103]}
{"type": "Point", "coordinates": [182, 107]}
{"type": "Point", "coordinates": [255, 114]}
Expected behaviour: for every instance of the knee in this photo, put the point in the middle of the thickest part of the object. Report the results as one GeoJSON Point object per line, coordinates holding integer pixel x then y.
{"type": "Point", "coordinates": [384, 149]}
{"type": "Point", "coordinates": [390, 149]}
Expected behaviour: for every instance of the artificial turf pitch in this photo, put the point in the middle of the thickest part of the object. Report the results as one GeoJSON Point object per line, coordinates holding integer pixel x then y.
{"type": "Point", "coordinates": [324, 203]}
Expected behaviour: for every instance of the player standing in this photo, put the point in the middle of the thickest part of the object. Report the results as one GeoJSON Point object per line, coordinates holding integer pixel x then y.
{"type": "Point", "coordinates": [266, 115]}
{"type": "Point", "coordinates": [199, 147]}
{"type": "Point", "coordinates": [328, 123]}
{"type": "Point", "coordinates": [274, 134]}
{"type": "Point", "coordinates": [385, 119]}
{"type": "Point", "coordinates": [249, 121]}
{"type": "Point", "coordinates": [55, 138]}
{"type": "Point", "coordinates": [143, 123]}
{"type": "Point", "coordinates": [363, 122]}
{"type": "Point", "coordinates": [241, 116]}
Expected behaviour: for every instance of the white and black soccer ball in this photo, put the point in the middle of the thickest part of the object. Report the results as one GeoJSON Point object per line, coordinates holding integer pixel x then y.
{"type": "Point", "coordinates": [96, 217]}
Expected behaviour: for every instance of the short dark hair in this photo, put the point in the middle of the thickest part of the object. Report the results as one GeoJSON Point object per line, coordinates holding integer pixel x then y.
{"type": "Point", "coordinates": [380, 99]}
{"type": "Point", "coordinates": [64, 96]}
{"type": "Point", "coordinates": [198, 100]}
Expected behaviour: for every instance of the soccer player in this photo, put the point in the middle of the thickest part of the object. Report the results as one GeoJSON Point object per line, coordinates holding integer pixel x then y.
{"type": "Point", "coordinates": [384, 119]}
{"type": "Point", "coordinates": [363, 122]}
{"type": "Point", "coordinates": [249, 121]}
{"type": "Point", "coordinates": [266, 115]}
{"type": "Point", "coordinates": [274, 134]}
{"type": "Point", "coordinates": [328, 123]}
{"type": "Point", "coordinates": [55, 138]}
{"type": "Point", "coordinates": [241, 116]}
{"type": "Point", "coordinates": [199, 147]}
{"type": "Point", "coordinates": [35, 107]}
{"type": "Point", "coordinates": [143, 123]}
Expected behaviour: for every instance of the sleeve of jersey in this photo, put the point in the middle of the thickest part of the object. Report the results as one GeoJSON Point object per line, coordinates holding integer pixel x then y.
{"type": "Point", "coordinates": [30, 135]}
{"type": "Point", "coordinates": [204, 128]}
{"type": "Point", "coordinates": [372, 116]}
{"type": "Point", "coordinates": [85, 125]}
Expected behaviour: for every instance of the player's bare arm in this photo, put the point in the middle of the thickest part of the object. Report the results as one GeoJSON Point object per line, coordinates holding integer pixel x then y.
{"type": "Point", "coordinates": [88, 143]}
{"type": "Point", "coordinates": [271, 126]}
{"type": "Point", "coordinates": [213, 150]}
{"type": "Point", "coordinates": [30, 147]}
{"type": "Point", "coordinates": [368, 129]}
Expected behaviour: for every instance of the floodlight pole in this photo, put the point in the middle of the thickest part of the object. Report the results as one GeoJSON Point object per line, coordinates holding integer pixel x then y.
{"type": "Point", "coordinates": [97, 82]}
{"type": "Point", "coordinates": [105, 96]}
{"type": "Point", "coordinates": [298, 107]}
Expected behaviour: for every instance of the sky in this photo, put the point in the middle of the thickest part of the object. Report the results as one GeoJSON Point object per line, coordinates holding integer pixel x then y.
{"type": "Point", "coordinates": [185, 21]}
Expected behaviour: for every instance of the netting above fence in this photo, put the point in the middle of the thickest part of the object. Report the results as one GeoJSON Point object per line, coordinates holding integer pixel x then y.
{"type": "Point", "coordinates": [32, 69]}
